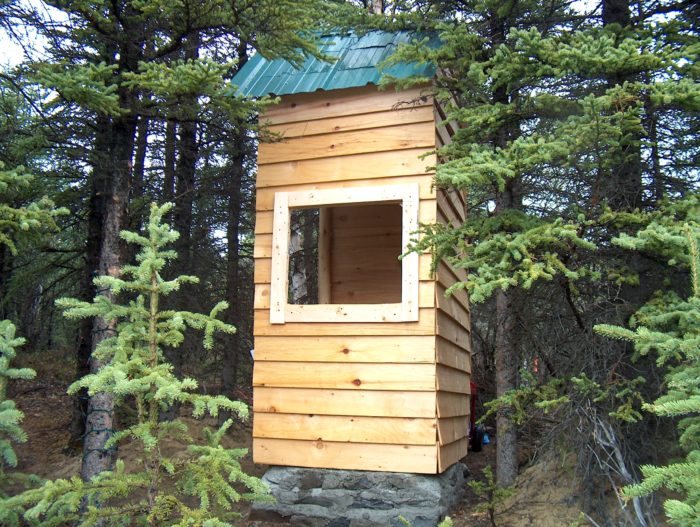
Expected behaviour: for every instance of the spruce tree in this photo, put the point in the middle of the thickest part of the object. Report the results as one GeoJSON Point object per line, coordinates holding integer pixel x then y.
{"type": "Point", "coordinates": [10, 416]}
{"type": "Point", "coordinates": [17, 221]}
{"type": "Point", "coordinates": [198, 486]}
{"type": "Point", "coordinates": [503, 246]}
{"type": "Point", "coordinates": [669, 327]}
{"type": "Point", "coordinates": [115, 62]}
{"type": "Point", "coordinates": [560, 115]}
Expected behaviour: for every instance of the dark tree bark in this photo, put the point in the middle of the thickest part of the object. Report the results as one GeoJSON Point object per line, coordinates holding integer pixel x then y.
{"type": "Point", "coordinates": [507, 362]}
{"type": "Point", "coordinates": [185, 186]}
{"type": "Point", "coordinates": [99, 424]}
{"type": "Point", "coordinates": [232, 352]}
{"type": "Point", "coordinates": [96, 211]}
{"type": "Point", "coordinates": [232, 349]}
{"type": "Point", "coordinates": [507, 352]}
{"type": "Point", "coordinates": [169, 160]}
{"type": "Point", "coordinates": [116, 168]}
{"type": "Point", "coordinates": [4, 279]}
{"type": "Point", "coordinates": [138, 181]}
{"type": "Point", "coordinates": [375, 7]}
{"type": "Point", "coordinates": [184, 194]}
{"type": "Point", "coordinates": [616, 12]}
{"type": "Point", "coordinates": [623, 189]}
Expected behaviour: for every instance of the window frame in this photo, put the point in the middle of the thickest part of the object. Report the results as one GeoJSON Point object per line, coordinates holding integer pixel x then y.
{"type": "Point", "coordinates": [282, 312]}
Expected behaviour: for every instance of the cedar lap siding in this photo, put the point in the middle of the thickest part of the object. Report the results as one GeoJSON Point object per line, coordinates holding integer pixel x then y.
{"type": "Point", "coordinates": [353, 383]}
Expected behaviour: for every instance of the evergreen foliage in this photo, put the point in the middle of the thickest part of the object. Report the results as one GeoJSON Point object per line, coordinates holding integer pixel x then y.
{"type": "Point", "coordinates": [669, 326]}
{"type": "Point", "coordinates": [198, 486]}
{"type": "Point", "coordinates": [621, 396]}
{"type": "Point", "coordinates": [565, 119]}
{"type": "Point", "coordinates": [10, 416]}
{"type": "Point", "coordinates": [16, 221]}
{"type": "Point", "coordinates": [507, 250]}
{"type": "Point", "coordinates": [491, 494]}
{"type": "Point", "coordinates": [557, 140]}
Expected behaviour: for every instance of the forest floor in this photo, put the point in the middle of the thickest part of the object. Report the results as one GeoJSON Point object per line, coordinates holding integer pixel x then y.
{"type": "Point", "coordinates": [545, 493]}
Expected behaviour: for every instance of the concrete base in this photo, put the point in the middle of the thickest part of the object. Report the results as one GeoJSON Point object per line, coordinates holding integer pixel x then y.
{"type": "Point", "coordinates": [354, 498]}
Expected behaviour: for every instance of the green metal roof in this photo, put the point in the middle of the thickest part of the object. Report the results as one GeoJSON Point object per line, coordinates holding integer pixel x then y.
{"type": "Point", "coordinates": [356, 65]}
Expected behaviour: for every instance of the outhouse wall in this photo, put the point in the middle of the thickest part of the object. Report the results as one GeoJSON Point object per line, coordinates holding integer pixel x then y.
{"type": "Point", "coordinates": [385, 396]}
{"type": "Point", "coordinates": [453, 327]}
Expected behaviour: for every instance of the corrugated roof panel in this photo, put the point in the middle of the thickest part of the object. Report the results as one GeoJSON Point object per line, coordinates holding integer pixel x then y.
{"type": "Point", "coordinates": [357, 65]}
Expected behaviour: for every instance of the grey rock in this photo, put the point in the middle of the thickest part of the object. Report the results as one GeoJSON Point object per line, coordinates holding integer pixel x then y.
{"type": "Point", "coordinates": [346, 498]}
{"type": "Point", "coordinates": [372, 504]}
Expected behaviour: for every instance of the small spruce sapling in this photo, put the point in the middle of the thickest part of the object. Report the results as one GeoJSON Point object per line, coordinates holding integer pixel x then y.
{"type": "Point", "coordinates": [10, 416]}
{"type": "Point", "coordinates": [17, 220]}
{"type": "Point", "coordinates": [669, 326]}
{"type": "Point", "coordinates": [197, 487]}
{"type": "Point", "coordinates": [492, 494]}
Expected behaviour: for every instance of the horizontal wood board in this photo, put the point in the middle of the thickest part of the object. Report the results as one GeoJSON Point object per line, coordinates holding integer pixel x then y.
{"type": "Point", "coordinates": [265, 196]}
{"type": "Point", "coordinates": [339, 103]}
{"type": "Point", "coordinates": [421, 459]}
{"type": "Point", "coordinates": [370, 349]}
{"type": "Point", "coordinates": [426, 294]}
{"type": "Point", "coordinates": [381, 139]}
{"type": "Point", "coordinates": [350, 429]}
{"type": "Point", "coordinates": [347, 376]}
{"type": "Point", "coordinates": [377, 403]}
{"type": "Point", "coordinates": [364, 121]}
{"type": "Point", "coordinates": [451, 429]}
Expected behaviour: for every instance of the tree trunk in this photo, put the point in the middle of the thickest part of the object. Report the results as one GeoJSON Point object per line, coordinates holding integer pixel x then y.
{"type": "Point", "coordinates": [185, 181]}
{"type": "Point", "coordinates": [99, 423]}
{"type": "Point", "coordinates": [623, 189]}
{"type": "Point", "coordinates": [4, 279]}
{"type": "Point", "coordinates": [138, 176]}
{"type": "Point", "coordinates": [507, 356]}
{"type": "Point", "coordinates": [616, 12]}
{"type": "Point", "coordinates": [138, 206]}
{"type": "Point", "coordinates": [232, 348]}
{"type": "Point", "coordinates": [506, 361]}
{"type": "Point", "coordinates": [96, 211]}
{"type": "Point", "coordinates": [169, 160]}
{"type": "Point", "coordinates": [232, 351]}
{"type": "Point", "coordinates": [375, 7]}
{"type": "Point", "coordinates": [507, 350]}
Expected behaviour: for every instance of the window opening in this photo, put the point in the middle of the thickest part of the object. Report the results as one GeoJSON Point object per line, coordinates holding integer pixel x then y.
{"type": "Point", "coordinates": [345, 254]}
{"type": "Point", "coordinates": [335, 255]}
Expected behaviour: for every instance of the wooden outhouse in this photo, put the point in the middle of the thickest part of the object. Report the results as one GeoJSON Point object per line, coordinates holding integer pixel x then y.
{"type": "Point", "coordinates": [371, 370]}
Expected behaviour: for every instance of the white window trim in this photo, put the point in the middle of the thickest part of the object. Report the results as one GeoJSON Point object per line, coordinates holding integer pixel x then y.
{"type": "Point", "coordinates": [405, 311]}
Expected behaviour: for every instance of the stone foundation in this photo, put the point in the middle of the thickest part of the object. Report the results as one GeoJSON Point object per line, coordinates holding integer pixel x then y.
{"type": "Point", "coordinates": [354, 498]}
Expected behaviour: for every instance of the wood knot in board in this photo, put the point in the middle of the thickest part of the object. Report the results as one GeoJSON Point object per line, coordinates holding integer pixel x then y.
{"type": "Point", "coordinates": [319, 445]}
{"type": "Point", "coordinates": [272, 410]}
{"type": "Point", "coordinates": [345, 351]}
{"type": "Point", "coordinates": [357, 382]}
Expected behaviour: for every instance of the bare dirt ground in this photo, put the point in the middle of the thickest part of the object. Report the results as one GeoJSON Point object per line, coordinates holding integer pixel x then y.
{"type": "Point", "coordinates": [544, 498]}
